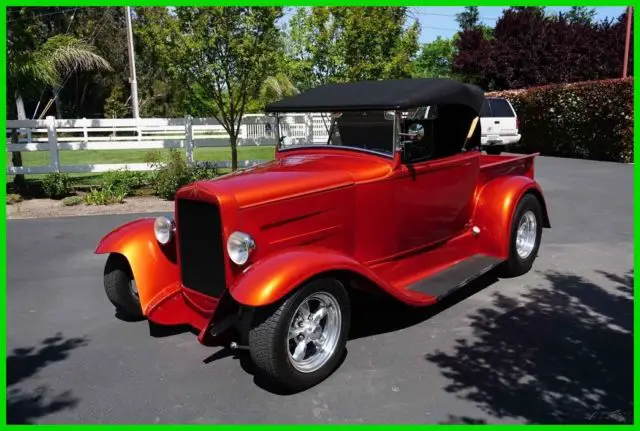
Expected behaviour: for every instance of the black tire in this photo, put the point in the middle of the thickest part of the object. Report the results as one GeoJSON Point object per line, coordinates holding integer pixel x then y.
{"type": "Point", "coordinates": [268, 336]}
{"type": "Point", "coordinates": [517, 265]}
{"type": "Point", "coordinates": [494, 150]}
{"type": "Point", "coordinates": [117, 285]}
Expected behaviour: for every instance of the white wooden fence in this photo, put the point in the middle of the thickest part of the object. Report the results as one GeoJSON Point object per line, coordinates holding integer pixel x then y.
{"type": "Point", "coordinates": [55, 135]}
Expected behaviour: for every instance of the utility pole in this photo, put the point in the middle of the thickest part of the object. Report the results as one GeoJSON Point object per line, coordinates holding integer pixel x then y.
{"type": "Point", "coordinates": [132, 65]}
{"type": "Point", "coordinates": [627, 41]}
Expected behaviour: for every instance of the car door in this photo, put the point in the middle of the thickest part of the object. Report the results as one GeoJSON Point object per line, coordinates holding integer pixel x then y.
{"type": "Point", "coordinates": [435, 197]}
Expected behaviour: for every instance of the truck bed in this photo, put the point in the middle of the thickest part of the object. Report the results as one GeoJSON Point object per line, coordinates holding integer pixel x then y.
{"type": "Point", "coordinates": [508, 164]}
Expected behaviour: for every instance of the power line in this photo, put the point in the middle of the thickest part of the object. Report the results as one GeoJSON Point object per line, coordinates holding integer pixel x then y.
{"type": "Point", "coordinates": [43, 14]}
{"type": "Point", "coordinates": [441, 29]}
{"type": "Point", "coordinates": [451, 15]}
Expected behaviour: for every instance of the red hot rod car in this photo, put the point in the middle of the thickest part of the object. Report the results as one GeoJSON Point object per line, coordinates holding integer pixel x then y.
{"type": "Point", "coordinates": [399, 200]}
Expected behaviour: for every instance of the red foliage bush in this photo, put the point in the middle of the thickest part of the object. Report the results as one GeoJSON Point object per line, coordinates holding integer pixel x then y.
{"type": "Point", "coordinates": [588, 120]}
{"type": "Point", "coordinates": [530, 48]}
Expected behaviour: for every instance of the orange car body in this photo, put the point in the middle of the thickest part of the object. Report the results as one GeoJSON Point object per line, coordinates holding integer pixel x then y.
{"type": "Point", "coordinates": [380, 222]}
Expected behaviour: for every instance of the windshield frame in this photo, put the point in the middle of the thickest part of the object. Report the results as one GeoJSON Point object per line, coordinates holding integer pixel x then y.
{"type": "Point", "coordinates": [394, 147]}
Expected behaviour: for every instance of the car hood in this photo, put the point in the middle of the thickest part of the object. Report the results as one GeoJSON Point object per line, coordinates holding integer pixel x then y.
{"type": "Point", "coordinates": [291, 176]}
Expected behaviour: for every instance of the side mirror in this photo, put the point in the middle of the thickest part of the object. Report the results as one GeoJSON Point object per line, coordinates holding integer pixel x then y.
{"type": "Point", "coordinates": [416, 132]}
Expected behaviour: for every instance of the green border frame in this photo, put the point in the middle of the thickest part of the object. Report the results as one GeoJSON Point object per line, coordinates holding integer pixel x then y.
{"type": "Point", "coordinates": [85, 3]}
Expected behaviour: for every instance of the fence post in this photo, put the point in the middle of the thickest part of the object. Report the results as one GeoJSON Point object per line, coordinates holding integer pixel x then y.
{"type": "Point", "coordinates": [308, 121]}
{"type": "Point", "coordinates": [85, 131]}
{"type": "Point", "coordinates": [53, 143]}
{"type": "Point", "coordinates": [188, 134]}
{"type": "Point", "coordinates": [243, 132]}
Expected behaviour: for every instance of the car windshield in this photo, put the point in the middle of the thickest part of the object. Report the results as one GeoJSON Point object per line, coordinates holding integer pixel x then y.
{"type": "Point", "coordinates": [364, 130]}
{"type": "Point", "coordinates": [368, 130]}
{"type": "Point", "coordinates": [496, 107]}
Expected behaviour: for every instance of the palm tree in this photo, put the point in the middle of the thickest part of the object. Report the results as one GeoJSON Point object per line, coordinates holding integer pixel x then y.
{"type": "Point", "coordinates": [59, 56]}
{"type": "Point", "coordinates": [276, 87]}
{"type": "Point", "coordinates": [46, 66]}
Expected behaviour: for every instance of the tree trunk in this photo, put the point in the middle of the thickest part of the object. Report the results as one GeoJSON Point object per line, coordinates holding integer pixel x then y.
{"type": "Point", "coordinates": [233, 140]}
{"type": "Point", "coordinates": [56, 100]}
{"type": "Point", "coordinates": [16, 157]}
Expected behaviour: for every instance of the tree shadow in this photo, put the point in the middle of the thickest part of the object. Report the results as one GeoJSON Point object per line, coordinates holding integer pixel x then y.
{"type": "Point", "coordinates": [24, 407]}
{"type": "Point", "coordinates": [563, 355]}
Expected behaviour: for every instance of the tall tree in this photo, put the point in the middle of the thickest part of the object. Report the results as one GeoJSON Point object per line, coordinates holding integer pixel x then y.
{"type": "Point", "coordinates": [580, 15]}
{"type": "Point", "coordinates": [161, 92]}
{"type": "Point", "coordinates": [435, 59]}
{"type": "Point", "coordinates": [474, 59]}
{"type": "Point", "coordinates": [336, 44]}
{"type": "Point", "coordinates": [314, 57]}
{"type": "Point", "coordinates": [537, 10]}
{"type": "Point", "coordinates": [227, 52]}
{"type": "Point", "coordinates": [469, 18]}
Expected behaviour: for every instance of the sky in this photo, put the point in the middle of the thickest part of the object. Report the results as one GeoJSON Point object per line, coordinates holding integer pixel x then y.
{"type": "Point", "coordinates": [441, 21]}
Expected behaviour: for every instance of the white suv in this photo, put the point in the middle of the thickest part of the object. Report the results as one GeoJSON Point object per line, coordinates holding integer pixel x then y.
{"type": "Point", "coordinates": [499, 124]}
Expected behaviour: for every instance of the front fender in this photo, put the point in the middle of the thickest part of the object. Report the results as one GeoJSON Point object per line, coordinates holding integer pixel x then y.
{"type": "Point", "coordinates": [273, 277]}
{"type": "Point", "coordinates": [495, 205]}
{"type": "Point", "coordinates": [154, 266]}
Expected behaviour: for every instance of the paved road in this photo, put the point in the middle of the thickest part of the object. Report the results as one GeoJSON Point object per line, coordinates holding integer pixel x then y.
{"type": "Point", "coordinates": [552, 346]}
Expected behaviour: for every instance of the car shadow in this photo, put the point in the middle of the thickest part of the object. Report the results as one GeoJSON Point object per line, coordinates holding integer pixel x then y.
{"type": "Point", "coordinates": [162, 331]}
{"type": "Point", "coordinates": [366, 321]}
{"type": "Point", "coordinates": [562, 354]}
{"type": "Point", "coordinates": [26, 406]}
{"type": "Point", "coordinates": [373, 315]}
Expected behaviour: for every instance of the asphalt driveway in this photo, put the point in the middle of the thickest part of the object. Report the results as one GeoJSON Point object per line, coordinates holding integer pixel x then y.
{"type": "Point", "coordinates": [553, 346]}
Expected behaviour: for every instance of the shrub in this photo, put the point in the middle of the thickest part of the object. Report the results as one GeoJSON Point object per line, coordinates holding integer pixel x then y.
{"type": "Point", "coordinates": [123, 181]}
{"type": "Point", "coordinates": [70, 201]}
{"type": "Point", "coordinates": [56, 185]}
{"type": "Point", "coordinates": [13, 198]}
{"type": "Point", "coordinates": [175, 173]}
{"type": "Point", "coordinates": [589, 120]}
{"type": "Point", "coordinates": [103, 196]}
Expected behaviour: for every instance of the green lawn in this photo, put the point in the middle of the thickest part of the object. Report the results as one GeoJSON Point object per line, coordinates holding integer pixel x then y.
{"type": "Point", "coordinates": [87, 157]}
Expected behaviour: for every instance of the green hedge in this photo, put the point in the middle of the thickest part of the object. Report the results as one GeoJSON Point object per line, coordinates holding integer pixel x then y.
{"type": "Point", "coordinates": [588, 120]}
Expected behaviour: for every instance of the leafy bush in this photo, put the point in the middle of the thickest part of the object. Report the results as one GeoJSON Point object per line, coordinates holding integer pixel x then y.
{"type": "Point", "coordinates": [56, 185]}
{"type": "Point", "coordinates": [13, 198]}
{"type": "Point", "coordinates": [174, 173]}
{"type": "Point", "coordinates": [589, 120]}
{"type": "Point", "coordinates": [104, 196]}
{"type": "Point", "coordinates": [123, 181]}
{"type": "Point", "coordinates": [70, 201]}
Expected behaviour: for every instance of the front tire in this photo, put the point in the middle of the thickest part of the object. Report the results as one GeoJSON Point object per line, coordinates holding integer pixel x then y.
{"type": "Point", "coordinates": [526, 234]}
{"type": "Point", "coordinates": [300, 341]}
{"type": "Point", "coordinates": [120, 287]}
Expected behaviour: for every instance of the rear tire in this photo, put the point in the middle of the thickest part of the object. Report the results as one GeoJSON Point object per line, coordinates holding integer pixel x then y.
{"type": "Point", "coordinates": [276, 352]}
{"type": "Point", "coordinates": [525, 237]}
{"type": "Point", "coordinates": [494, 150]}
{"type": "Point", "coordinates": [119, 286]}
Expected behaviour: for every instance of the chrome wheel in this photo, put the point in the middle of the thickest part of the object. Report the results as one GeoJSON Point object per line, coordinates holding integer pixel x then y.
{"type": "Point", "coordinates": [314, 332]}
{"type": "Point", "coordinates": [526, 234]}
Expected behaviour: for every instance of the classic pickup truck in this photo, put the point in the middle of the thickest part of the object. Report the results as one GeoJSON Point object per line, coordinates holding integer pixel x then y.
{"type": "Point", "coordinates": [395, 202]}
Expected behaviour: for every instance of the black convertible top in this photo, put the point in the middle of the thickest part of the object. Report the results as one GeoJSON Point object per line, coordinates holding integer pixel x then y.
{"type": "Point", "coordinates": [382, 95]}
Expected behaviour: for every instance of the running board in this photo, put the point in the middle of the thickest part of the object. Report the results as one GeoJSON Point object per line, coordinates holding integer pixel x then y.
{"type": "Point", "coordinates": [455, 276]}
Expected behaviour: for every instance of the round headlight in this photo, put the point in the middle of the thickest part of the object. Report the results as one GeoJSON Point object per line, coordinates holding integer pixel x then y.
{"type": "Point", "coordinates": [239, 247]}
{"type": "Point", "coordinates": [163, 228]}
